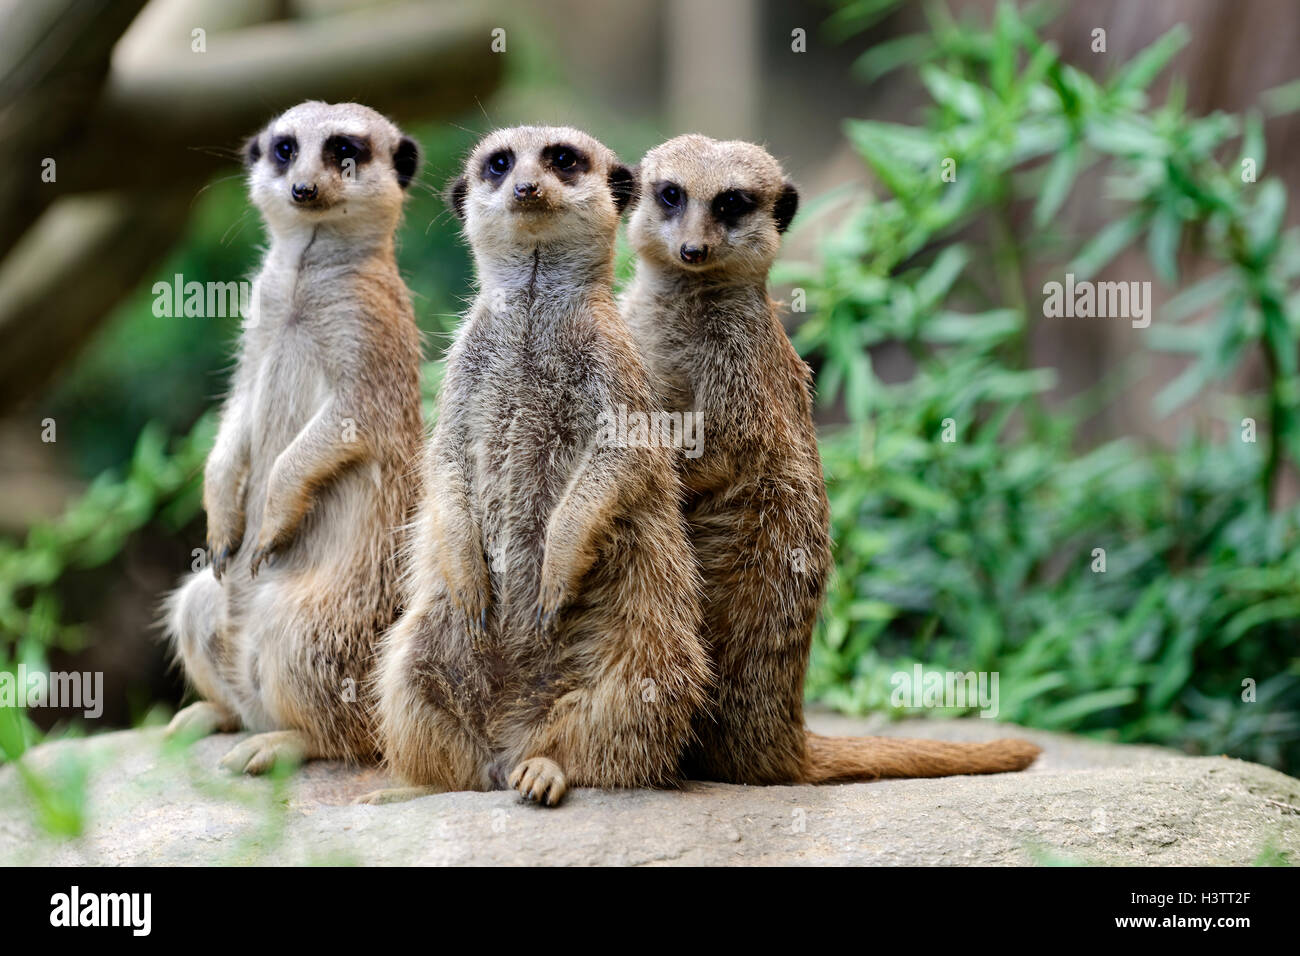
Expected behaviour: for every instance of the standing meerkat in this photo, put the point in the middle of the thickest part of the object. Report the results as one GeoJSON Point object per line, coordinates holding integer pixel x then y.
{"type": "Point", "coordinates": [707, 229]}
{"type": "Point", "coordinates": [551, 631]}
{"type": "Point", "coordinates": [311, 474]}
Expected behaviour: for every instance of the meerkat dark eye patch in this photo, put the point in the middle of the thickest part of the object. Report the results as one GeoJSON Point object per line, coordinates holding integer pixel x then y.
{"type": "Point", "coordinates": [731, 205]}
{"type": "Point", "coordinates": [283, 149]}
{"type": "Point", "coordinates": [497, 165]}
{"type": "Point", "coordinates": [786, 205]}
{"type": "Point", "coordinates": [567, 162]}
{"type": "Point", "coordinates": [671, 198]}
{"type": "Point", "coordinates": [253, 150]}
{"type": "Point", "coordinates": [406, 160]}
{"type": "Point", "coordinates": [340, 148]}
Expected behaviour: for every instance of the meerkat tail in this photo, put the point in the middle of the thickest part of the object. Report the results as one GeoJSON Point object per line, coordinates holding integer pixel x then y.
{"type": "Point", "coordinates": [845, 759]}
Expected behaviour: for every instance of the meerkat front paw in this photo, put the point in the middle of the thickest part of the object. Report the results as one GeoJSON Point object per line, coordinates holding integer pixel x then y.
{"type": "Point", "coordinates": [222, 502]}
{"type": "Point", "coordinates": [224, 539]}
{"type": "Point", "coordinates": [201, 719]}
{"type": "Point", "coordinates": [551, 596]}
{"type": "Point", "coordinates": [376, 798]}
{"type": "Point", "coordinates": [261, 752]}
{"type": "Point", "coordinates": [540, 779]}
{"type": "Point", "coordinates": [470, 590]}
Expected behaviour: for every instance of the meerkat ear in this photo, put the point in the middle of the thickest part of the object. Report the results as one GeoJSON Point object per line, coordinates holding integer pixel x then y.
{"type": "Point", "coordinates": [406, 160]}
{"type": "Point", "coordinates": [623, 184]}
{"type": "Point", "coordinates": [786, 205]}
{"type": "Point", "coordinates": [454, 196]}
{"type": "Point", "coordinates": [253, 149]}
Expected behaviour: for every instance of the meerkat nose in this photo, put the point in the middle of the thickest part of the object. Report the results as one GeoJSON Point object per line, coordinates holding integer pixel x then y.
{"type": "Point", "coordinates": [302, 192]}
{"type": "Point", "coordinates": [694, 254]}
{"type": "Point", "coordinates": [526, 191]}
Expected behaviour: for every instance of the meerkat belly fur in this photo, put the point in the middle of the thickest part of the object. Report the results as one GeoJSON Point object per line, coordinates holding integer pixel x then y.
{"type": "Point", "coordinates": [706, 229]}
{"type": "Point", "coordinates": [313, 469]}
{"type": "Point", "coordinates": [551, 636]}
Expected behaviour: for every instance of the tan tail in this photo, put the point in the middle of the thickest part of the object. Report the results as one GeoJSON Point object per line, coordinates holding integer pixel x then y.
{"type": "Point", "coordinates": [841, 759]}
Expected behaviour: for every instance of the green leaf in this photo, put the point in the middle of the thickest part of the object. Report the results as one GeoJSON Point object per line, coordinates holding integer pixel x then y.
{"type": "Point", "coordinates": [1264, 225]}
{"type": "Point", "coordinates": [962, 97]}
{"type": "Point", "coordinates": [883, 148]}
{"type": "Point", "coordinates": [1056, 184]}
{"type": "Point", "coordinates": [1071, 712]}
{"type": "Point", "coordinates": [1007, 29]}
{"type": "Point", "coordinates": [884, 58]}
{"type": "Point", "coordinates": [1282, 99]}
{"type": "Point", "coordinates": [1107, 244]}
{"type": "Point", "coordinates": [1138, 73]}
{"type": "Point", "coordinates": [1253, 144]}
{"type": "Point", "coordinates": [943, 272]}
{"type": "Point", "coordinates": [1162, 243]}
{"type": "Point", "coordinates": [952, 328]}
{"type": "Point", "coordinates": [1200, 295]}
{"type": "Point", "coordinates": [858, 15]}
{"type": "Point", "coordinates": [1242, 623]}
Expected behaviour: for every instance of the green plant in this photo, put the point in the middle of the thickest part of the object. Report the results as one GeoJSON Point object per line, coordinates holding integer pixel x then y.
{"type": "Point", "coordinates": [977, 554]}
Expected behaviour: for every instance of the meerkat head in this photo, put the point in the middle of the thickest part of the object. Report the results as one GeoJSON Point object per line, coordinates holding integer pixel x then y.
{"type": "Point", "coordinates": [533, 184]}
{"type": "Point", "coordinates": [709, 206]}
{"type": "Point", "coordinates": [341, 163]}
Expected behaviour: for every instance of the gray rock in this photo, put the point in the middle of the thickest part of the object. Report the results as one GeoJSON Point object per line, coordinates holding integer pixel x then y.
{"type": "Point", "coordinates": [1083, 802]}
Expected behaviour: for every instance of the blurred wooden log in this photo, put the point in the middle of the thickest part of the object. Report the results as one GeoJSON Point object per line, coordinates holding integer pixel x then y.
{"type": "Point", "coordinates": [68, 271]}
{"type": "Point", "coordinates": [180, 113]}
{"type": "Point", "coordinates": [54, 57]}
{"type": "Point", "coordinates": [165, 119]}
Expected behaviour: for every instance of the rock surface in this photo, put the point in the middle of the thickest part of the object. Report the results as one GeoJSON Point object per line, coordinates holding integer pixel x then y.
{"type": "Point", "coordinates": [1083, 802]}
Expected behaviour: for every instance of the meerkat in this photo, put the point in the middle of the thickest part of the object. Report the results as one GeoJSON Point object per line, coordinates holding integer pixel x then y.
{"type": "Point", "coordinates": [706, 229]}
{"type": "Point", "coordinates": [313, 468]}
{"type": "Point", "coordinates": [550, 637]}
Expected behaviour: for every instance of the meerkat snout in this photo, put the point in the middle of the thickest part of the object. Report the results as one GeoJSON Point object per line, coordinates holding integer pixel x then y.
{"type": "Point", "coordinates": [694, 254]}
{"type": "Point", "coordinates": [304, 192]}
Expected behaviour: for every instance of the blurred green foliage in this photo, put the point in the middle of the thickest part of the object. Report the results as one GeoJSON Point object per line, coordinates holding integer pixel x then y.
{"type": "Point", "coordinates": [978, 554]}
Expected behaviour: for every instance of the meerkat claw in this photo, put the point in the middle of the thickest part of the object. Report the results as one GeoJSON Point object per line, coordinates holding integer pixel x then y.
{"type": "Point", "coordinates": [219, 562]}
{"type": "Point", "coordinates": [264, 555]}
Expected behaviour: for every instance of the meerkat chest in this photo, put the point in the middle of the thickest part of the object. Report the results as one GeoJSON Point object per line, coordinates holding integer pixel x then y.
{"type": "Point", "coordinates": [289, 373]}
{"type": "Point", "coordinates": [532, 421]}
{"type": "Point", "coordinates": [668, 356]}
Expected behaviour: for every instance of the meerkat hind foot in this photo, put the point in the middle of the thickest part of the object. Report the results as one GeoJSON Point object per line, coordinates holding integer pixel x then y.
{"type": "Point", "coordinates": [262, 752]}
{"type": "Point", "coordinates": [376, 798]}
{"type": "Point", "coordinates": [199, 720]}
{"type": "Point", "coordinates": [540, 779]}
